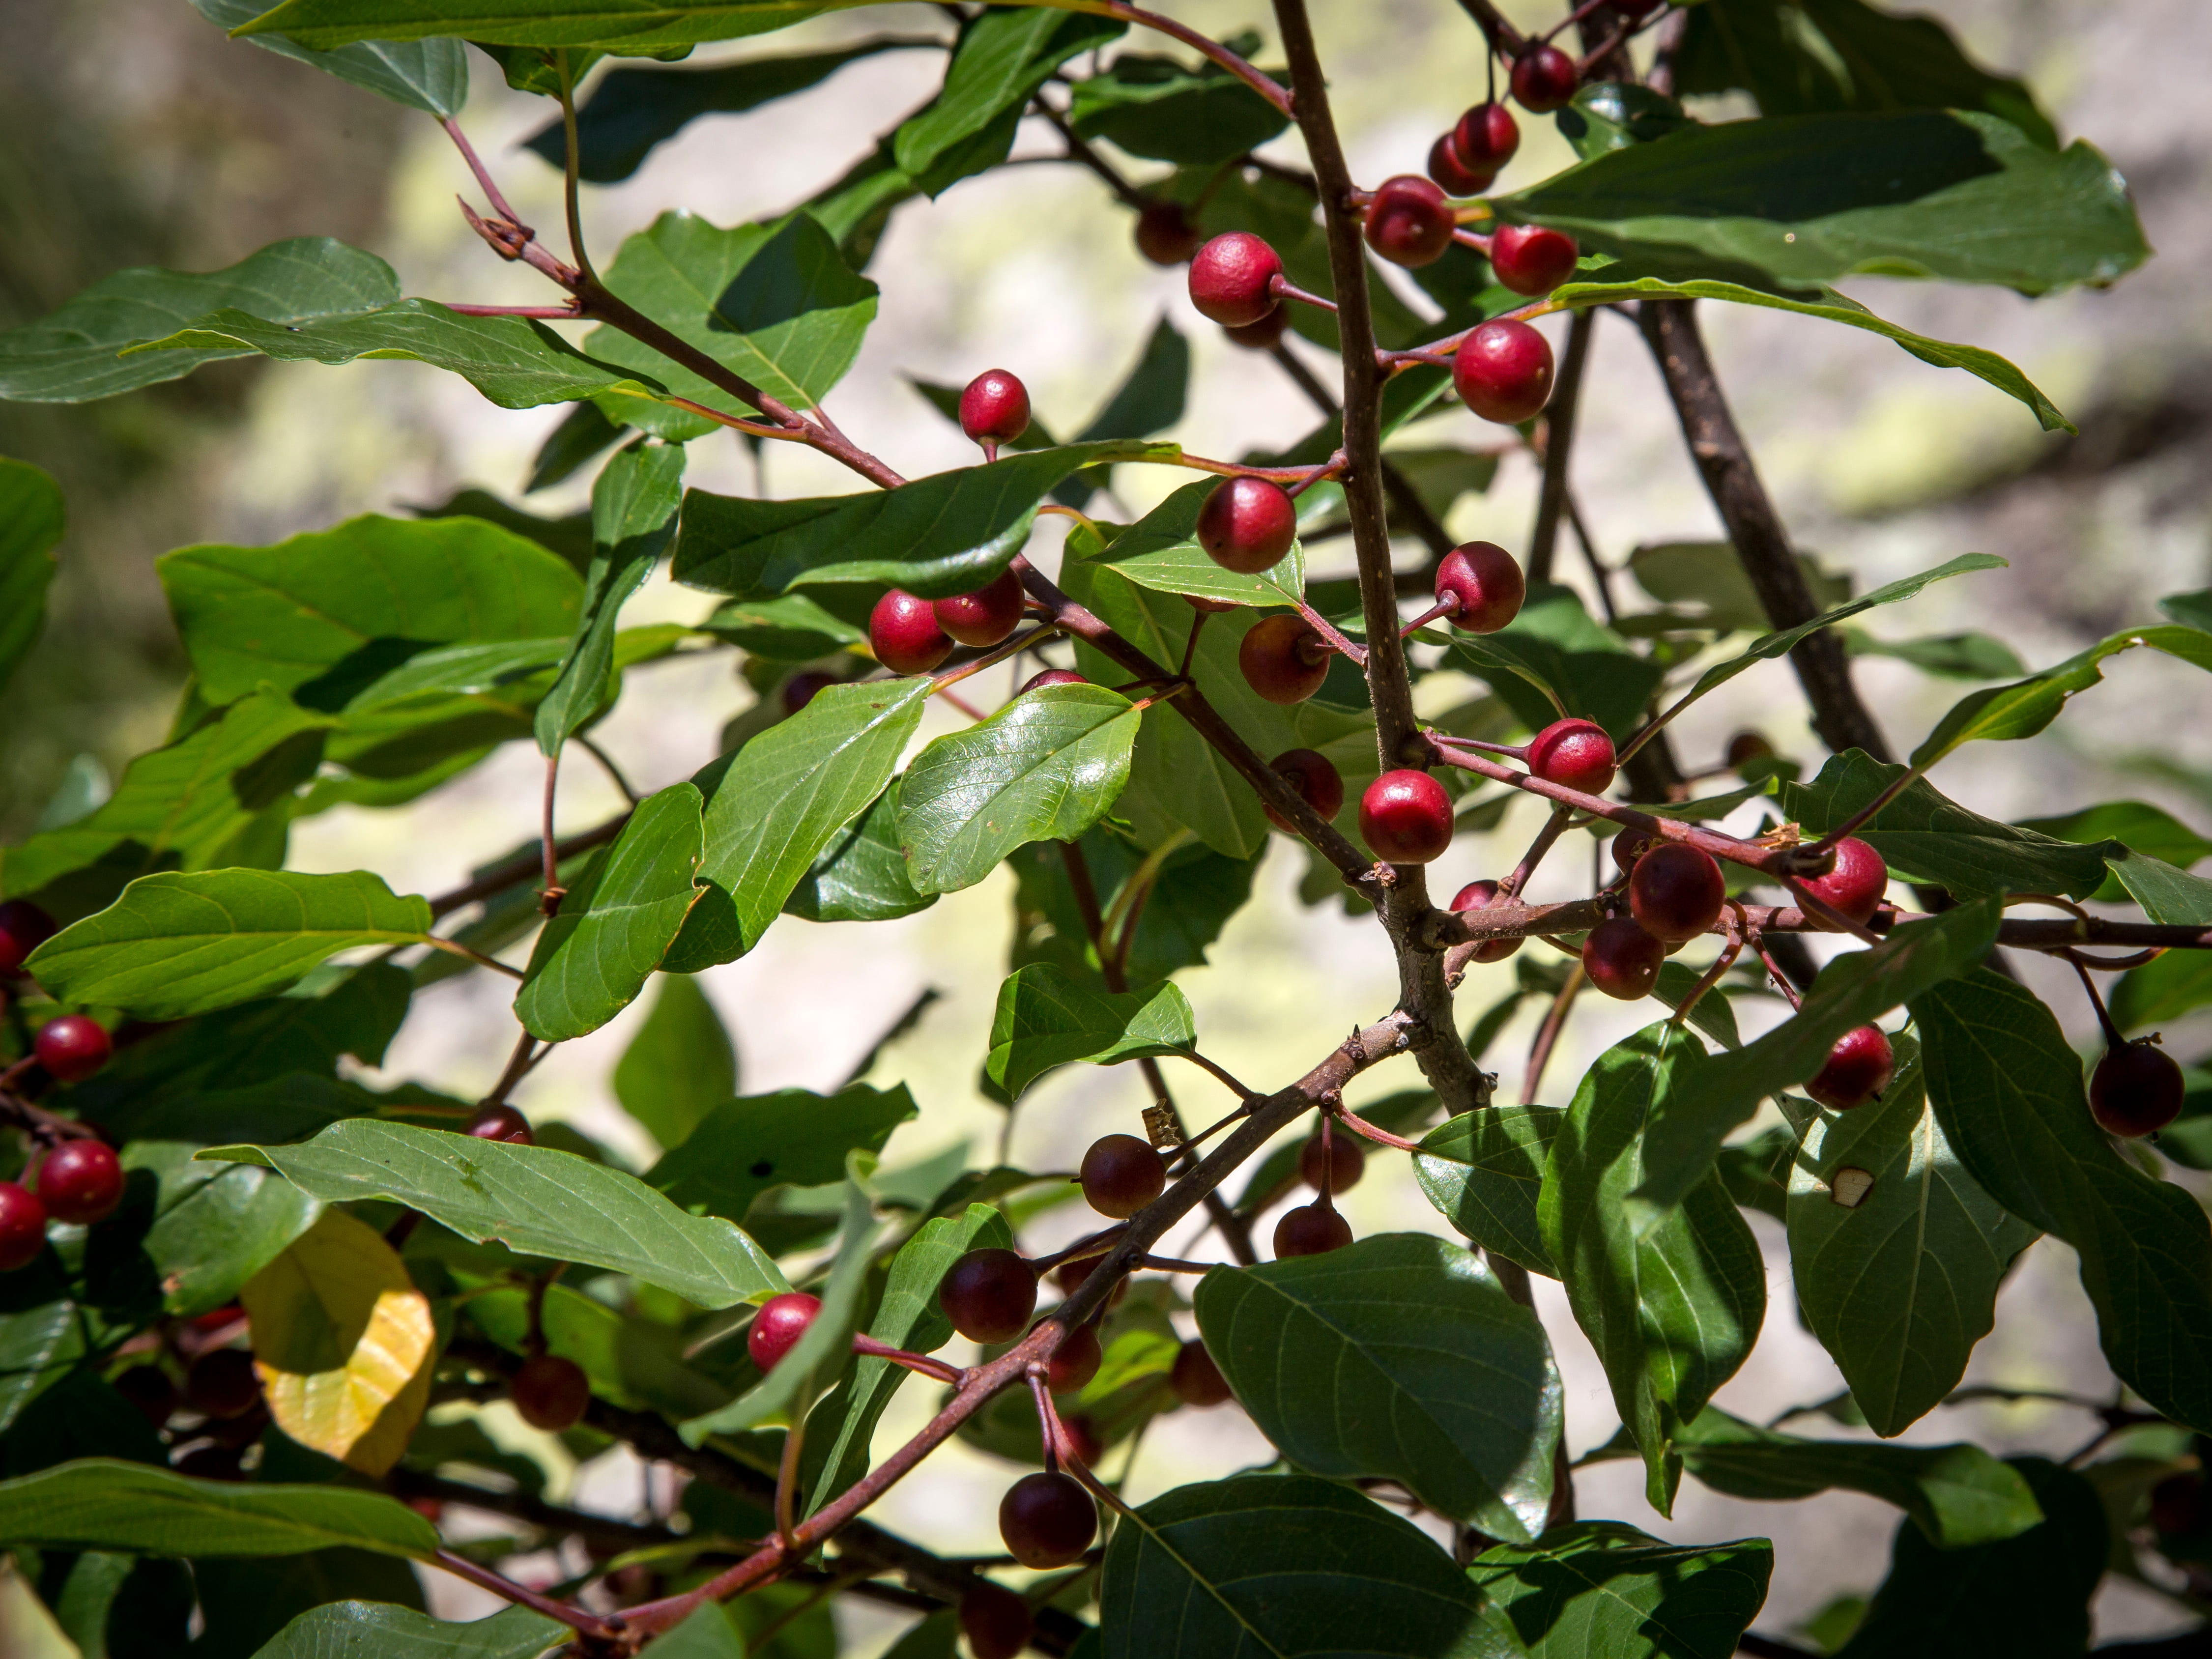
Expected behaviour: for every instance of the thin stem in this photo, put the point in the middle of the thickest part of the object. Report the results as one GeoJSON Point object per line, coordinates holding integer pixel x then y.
{"type": "Point", "coordinates": [455, 948]}
{"type": "Point", "coordinates": [1329, 631]}
{"type": "Point", "coordinates": [920, 1364]}
{"type": "Point", "coordinates": [571, 170]}
{"type": "Point", "coordinates": [787, 1485]}
{"type": "Point", "coordinates": [607, 765]}
{"type": "Point", "coordinates": [523, 866]}
{"type": "Point", "coordinates": [499, 203]}
{"type": "Point", "coordinates": [1204, 45]}
{"type": "Point", "coordinates": [551, 313]}
{"type": "Point", "coordinates": [1501, 35]}
{"type": "Point", "coordinates": [1546, 838]}
{"type": "Point", "coordinates": [1219, 1073]}
{"type": "Point", "coordinates": [1547, 1034]}
{"type": "Point", "coordinates": [1559, 441]}
{"type": "Point", "coordinates": [1048, 1427]}
{"type": "Point", "coordinates": [1190, 644]}
{"type": "Point", "coordinates": [1781, 980]}
{"type": "Point", "coordinates": [1404, 499]}
{"type": "Point", "coordinates": [1599, 574]}
{"type": "Point", "coordinates": [550, 893]}
{"type": "Point", "coordinates": [1360, 1125]}
{"type": "Point", "coordinates": [995, 655]}
{"type": "Point", "coordinates": [518, 1065]}
{"type": "Point", "coordinates": [1171, 1264]}
{"type": "Point", "coordinates": [506, 1589]}
{"type": "Point", "coordinates": [1722, 964]}
{"type": "Point", "coordinates": [2112, 1036]}
{"type": "Point", "coordinates": [1079, 151]}
{"type": "Point", "coordinates": [1827, 843]}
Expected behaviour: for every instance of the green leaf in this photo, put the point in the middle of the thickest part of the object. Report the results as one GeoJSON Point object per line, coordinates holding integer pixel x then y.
{"type": "Point", "coordinates": [1161, 552]}
{"type": "Point", "coordinates": [214, 1226]}
{"type": "Point", "coordinates": [1045, 767]}
{"type": "Point", "coordinates": [378, 1627]}
{"type": "Point", "coordinates": [1269, 1566]}
{"type": "Point", "coordinates": [793, 1136]}
{"type": "Point", "coordinates": [583, 434]}
{"type": "Point", "coordinates": [947, 534]}
{"type": "Point", "coordinates": [2007, 1089]}
{"type": "Point", "coordinates": [2026, 707]}
{"type": "Point", "coordinates": [1853, 989]}
{"type": "Point", "coordinates": [1606, 115]}
{"type": "Point", "coordinates": [1712, 1013]}
{"type": "Point", "coordinates": [1357, 1363]}
{"type": "Point", "coordinates": [792, 629]}
{"type": "Point", "coordinates": [1706, 581]}
{"type": "Point", "coordinates": [41, 1335]}
{"type": "Point", "coordinates": [860, 875]}
{"type": "Point", "coordinates": [774, 303]}
{"type": "Point", "coordinates": [1004, 57]}
{"type": "Point", "coordinates": [773, 807]}
{"type": "Point", "coordinates": [2175, 984]}
{"type": "Point", "coordinates": [322, 24]}
{"type": "Point", "coordinates": [1671, 1299]}
{"type": "Point", "coordinates": [1804, 199]}
{"type": "Point", "coordinates": [100, 1504]}
{"type": "Point", "coordinates": [1554, 642]}
{"type": "Point", "coordinates": [431, 75]}
{"type": "Point", "coordinates": [1156, 108]}
{"type": "Point", "coordinates": [175, 944]}
{"type": "Point", "coordinates": [680, 1066]}
{"type": "Point", "coordinates": [1153, 397]}
{"type": "Point", "coordinates": [31, 521]}
{"type": "Point", "coordinates": [1955, 656]}
{"type": "Point", "coordinates": [1604, 1588]}
{"type": "Point", "coordinates": [70, 356]}
{"type": "Point", "coordinates": [1899, 1284]}
{"type": "Point", "coordinates": [1925, 834]}
{"type": "Point", "coordinates": [1048, 1018]}
{"type": "Point", "coordinates": [531, 1198]}
{"type": "Point", "coordinates": [2026, 1596]}
{"type": "Point", "coordinates": [2167, 895]}
{"type": "Point", "coordinates": [616, 925]}
{"type": "Point", "coordinates": [634, 504]}
{"type": "Point", "coordinates": [2150, 830]}
{"type": "Point", "coordinates": [1483, 1171]}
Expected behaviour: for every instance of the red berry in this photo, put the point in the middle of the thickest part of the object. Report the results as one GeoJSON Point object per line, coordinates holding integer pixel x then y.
{"type": "Point", "coordinates": [1857, 883]}
{"type": "Point", "coordinates": [1503, 371]}
{"type": "Point", "coordinates": [72, 1047]}
{"type": "Point", "coordinates": [500, 1121]}
{"type": "Point", "coordinates": [1051, 677]}
{"type": "Point", "coordinates": [1408, 222]}
{"type": "Point", "coordinates": [1166, 234]}
{"type": "Point", "coordinates": [81, 1181]}
{"type": "Point", "coordinates": [2177, 1503]}
{"type": "Point", "coordinates": [2136, 1090]}
{"type": "Point", "coordinates": [995, 408]}
{"type": "Point", "coordinates": [148, 1389]}
{"type": "Point", "coordinates": [800, 689]}
{"type": "Point", "coordinates": [1476, 896]}
{"type": "Point", "coordinates": [985, 616]}
{"type": "Point", "coordinates": [551, 1393]}
{"type": "Point", "coordinates": [1450, 171]}
{"type": "Point", "coordinates": [1315, 779]}
{"type": "Point", "coordinates": [781, 1323]}
{"type": "Point", "coordinates": [995, 1621]}
{"type": "Point", "coordinates": [1488, 584]}
{"type": "Point", "coordinates": [1210, 607]}
{"type": "Point", "coordinates": [1233, 279]}
{"type": "Point", "coordinates": [1857, 1069]}
{"type": "Point", "coordinates": [1121, 1174]}
{"type": "Point", "coordinates": [1575, 754]}
{"type": "Point", "coordinates": [1343, 1163]}
{"type": "Point", "coordinates": [1531, 259]}
{"type": "Point", "coordinates": [1544, 79]}
{"type": "Point", "coordinates": [1265, 334]}
{"type": "Point", "coordinates": [1247, 524]}
{"type": "Point", "coordinates": [989, 1295]}
{"type": "Point", "coordinates": [1312, 1229]}
{"type": "Point", "coordinates": [221, 1383]}
{"type": "Point", "coordinates": [1745, 747]}
{"type": "Point", "coordinates": [1621, 959]}
{"type": "Point", "coordinates": [1406, 817]}
{"type": "Point", "coordinates": [1284, 658]}
{"type": "Point", "coordinates": [1676, 892]}
{"type": "Point", "coordinates": [1196, 1380]}
{"type": "Point", "coordinates": [1070, 1275]}
{"type": "Point", "coordinates": [1075, 1362]}
{"type": "Point", "coordinates": [23, 928]}
{"type": "Point", "coordinates": [1631, 845]}
{"type": "Point", "coordinates": [1047, 1520]}
{"type": "Point", "coordinates": [1485, 137]}
{"type": "Point", "coordinates": [22, 1227]}
{"type": "Point", "coordinates": [905, 634]}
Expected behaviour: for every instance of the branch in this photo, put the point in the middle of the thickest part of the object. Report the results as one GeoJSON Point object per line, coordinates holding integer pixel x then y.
{"type": "Point", "coordinates": [1559, 441]}
{"type": "Point", "coordinates": [1204, 45]}
{"type": "Point", "coordinates": [521, 867]}
{"type": "Point", "coordinates": [1403, 497]}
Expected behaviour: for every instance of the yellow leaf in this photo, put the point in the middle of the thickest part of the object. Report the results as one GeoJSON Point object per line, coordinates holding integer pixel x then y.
{"type": "Point", "coordinates": [342, 1341]}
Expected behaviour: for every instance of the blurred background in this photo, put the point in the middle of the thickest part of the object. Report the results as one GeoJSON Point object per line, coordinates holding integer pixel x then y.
{"type": "Point", "coordinates": [136, 134]}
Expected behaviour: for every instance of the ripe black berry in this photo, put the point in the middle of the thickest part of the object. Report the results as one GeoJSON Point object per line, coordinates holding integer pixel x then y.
{"type": "Point", "coordinates": [1312, 1229]}
{"type": "Point", "coordinates": [1265, 334]}
{"type": "Point", "coordinates": [23, 928]}
{"type": "Point", "coordinates": [1343, 1163]}
{"type": "Point", "coordinates": [148, 1389]}
{"type": "Point", "coordinates": [989, 1295]}
{"type": "Point", "coordinates": [995, 1621]}
{"type": "Point", "coordinates": [802, 688]}
{"type": "Point", "coordinates": [1075, 1362]}
{"type": "Point", "coordinates": [778, 1326]}
{"type": "Point", "coordinates": [1166, 234]}
{"type": "Point", "coordinates": [221, 1382]}
{"type": "Point", "coordinates": [1196, 1380]}
{"type": "Point", "coordinates": [1121, 1174]}
{"type": "Point", "coordinates": [2135, 1091]}
{"type": "Point", "coordinates": [551, 1393]}
{"type": "Point", "coordinates": [1047, 1520]}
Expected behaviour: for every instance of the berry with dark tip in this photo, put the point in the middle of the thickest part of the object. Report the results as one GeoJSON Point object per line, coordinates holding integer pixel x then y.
{"type": "Point", "coordinates": [81, 1181]}
{"type": "Point", "coordinates": [1857, 1069]}
{"type": "Point", "coordinates": [1621, 959]}
{"type": "Point", "coordinates": [1475, 896]}
{"type": "Point", "coordinates": [985, 616]}
{"type": "Point", "coordinates": [1121, 1174]}
{"type": "Point", "coordinates": [1047, 1520]}
{"type": "Point", "coordinates": [551, 1393]}
{"type": "Point", "coordinates": [1408, 222]}
{"type": "Point", "coordinates": [995, 1621]}
{"type": "Point", "coordinates": [1343, 1163]}
{"type": "Point", "coordinates": [1313, 1229]}
{"type": "Point", "coordinates": [1284, 658]}
{"type": "Point", "coordinates": [1503, 371]}
{"type": "Point", "coordinates": [1575, 754]}
{"type": "Point", "coordinates": [1051, 677]}
{"type": "Point", "coordinates": [1196, 1380]}
{"type": "Point", "coordinates": [23, 928]}
{"type": "Point", "coordinates": [22, 1227]}
{"type": "Point", "coordinates": [1316, 780]}
{"type": "Point", "coordinates": [150, 1391]}
{"type": "Point", "coordinates": [905, 634]}
{"type": "Point", "coordinates": [1532, 259]}
{"type": "Point", "coordinates": [1544, 79]}
{"type": "Point", "coordinates": [1485, 137]}
{"type": "Point", "coordinates": [1745, 747]}
{"type": "Point", "coordinates": [994, 407]}
{"type": "Point", "coordinates": [1265, 334]}
{"type": "Point", "coordinates": [782, 1320]}
{"type": "Point", "coordinates": [1857, 884]}
{"type": "Point", "coordinates": [1406, 817]}
{"type": "Point", "coordinates": [2135, 1091]}
{"type": "Point", "coordinates": [1486, 582]}
{"type": "Point", "coordinates": [989, 1295]}
{"type": "Point", "coordinates": [1247, 524]}
{"type": "Point", "coordinates": [221, 1382]}
{"type": "Point", "coordinates": [1675, 892]}
{"type": "Point", "coordinates": [500, 1121]}
{"type": "Point", "coordinates": [801, 689]}
{"type": "Point", "coordinates": [73, 1047]}
{"type": "Point", "coordinates": [1233, 279]}
{"type": "Point", "coordinates": [1452, 173]}
{"type": "Point", "coordinates": [1167, 234]}
{"type": "Point", "coordinates": [1075, 1362]}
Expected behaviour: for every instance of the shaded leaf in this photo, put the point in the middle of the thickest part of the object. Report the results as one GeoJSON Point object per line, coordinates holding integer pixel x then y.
{"type": "Point", "coordinates": [378, 1627]}
{"type": "Point", "coordinates": [431, 75]}
{"type": "Point", "coordinates": [1554, 642]}
{"type": "Point", "coordinates": [40, 1335]}
{"type": "Point", "coordinates": [860, 875]}
{"type": "Point", "coordinates": [215, 1225]}
{"type": "Point", "coordinates": [583, 434]}
{"type": "Point", "coordinates": [2026, 707]}
{"type": "Point", "coordinates": [1152, 398]}
{"type": "Point", "coordinates": [1161, 552]}
{"type": "Point", "coordinates": [1956, 656]}
{"type": "Point", "coordinates": [1156, 108]}
{"type": "Point", "coordinates": [1483, 1171]}
{"type": "Point", "coordinates": [1606, 1588]}
{"type": "Point", "coordinates": [681, 1064]}
{"type": "Point", "coordinates": [31, 521]}
{"type": "Point", "coordinates": [2163, 990]}
{"type": "Point", "coordinates": [1047, 1019]}
{"type": "Point", "coordinates": [1004, 55]}
{"type": "Point", "coordinates": [793, 1136]}
{"type": "Point", "coordinates": [792, 629]}
{"type": "Point", "coordinates": [2167, 895]}
{"type": "Point", "coordinates": [99, 1503]}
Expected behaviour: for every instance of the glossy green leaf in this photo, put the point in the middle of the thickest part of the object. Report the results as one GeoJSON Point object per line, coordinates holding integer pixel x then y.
{"type": "Point", "coordinates": [1003, 57]}
{"type": "Point", "coordinates": [1853, 989]}
{"type": "Point", "coordinates": [1161, 552]}
{"type": "Point", "coordinates": [1048, 1018]}
{"type": "Point", "coordinates": [70, 355]}
{"type": "Point", "coordinates": [214, 1225]}
{"type": "Point", "coordinates": [377, 1627]}
{"type": "Point", "coordinates": [1606, 115]}
{"type": "Point", "coordinates": [1483, 1171]}
{"type": "Point", "coordinates": [2168, 895]}
{"type": "Point", "coordinates": [1270, 1566]}
{"type": "Point", "coordinates": [948, 533]}
{"type": "Point", "coordinates": [1901, 1283]}
{"type": "Point", "coordinates": [856, 208]}
{"type": "Point", "coordinates": [610, 25]}
{"type": "Point", "coordinates": [1356, 1364]}
{"type": "Point", "coordinates": [1673, 1298]}
{"type": "Point", "coordinates": [616, 924]}
{"type": "Point", "coordinates": [634, 1362]}
{"type": "Point", "coordinates": [793, 1136]}
{"type": "Point", "coordinates": [31, 521]}
{"type": "Point", "coordinates": [861, 876]}
{"type": "Point", "coordinates": [176, 945]}
{"type": "Point", "coordinates": [792, 629]}
{"type": "Point", "coordinates": [681, 1064]}
{"type": "Point", "coordinates": [531, 1198]}
{"type": "Point", "coordinates": [431, 75]}
{"type": "Point", "coordinates": [1156, 108]}
{"type": "Point", "coordinates": [2026, 707]}
{"type": "Point", "coordinates": [1554, 642]}
{"type": "Point", "coordinates": [100, 1504]}
{"type": "Point", "coordinates": [1045, 767]}
{"type": "Point", "coordinates": [41, 1335]}
{"type": "Point", "coordinates": [773, 807]}
{"type": "Point", "coordinates": [1604, 1588]}
{"type": "Point", "coordinates": [2007, 1089]}
{"type": "Point", "coordinates": [1193, 893]}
